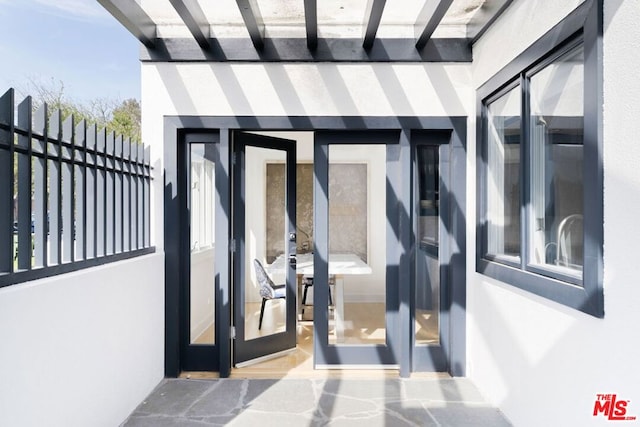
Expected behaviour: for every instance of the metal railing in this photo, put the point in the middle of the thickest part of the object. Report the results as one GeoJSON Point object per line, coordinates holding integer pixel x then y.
{"type": "Point", "coordinates": [71, 196]}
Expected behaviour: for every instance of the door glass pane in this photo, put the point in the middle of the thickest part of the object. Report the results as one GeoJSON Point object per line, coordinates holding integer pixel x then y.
{"type": "Point", "coordinates": [357, 244]}
{"type": "Point", "coordinates": [428, 191]}
{"type": "Point", "coordinates": [557, 123]}
{"type": "Point", "coordinates": [202, 223]}
{"type": "Point", "coordinates": [265, 242]}
{"type": "Point", "coordinates": [503, 175]}
{"type": "Point", "coordinates": [427, 297]}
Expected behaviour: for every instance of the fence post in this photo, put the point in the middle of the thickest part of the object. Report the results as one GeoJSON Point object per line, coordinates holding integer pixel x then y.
{"type": "Point", "coordinates": [6, 181]}
{"type": "Point", "coordinates": [55, 189]}
{"type": "Point", "coordinates": [68, 214]}
{"type": "Point", "coordinates": [41, 218]}
{"type": "Point", "coordinates": [25, 242]}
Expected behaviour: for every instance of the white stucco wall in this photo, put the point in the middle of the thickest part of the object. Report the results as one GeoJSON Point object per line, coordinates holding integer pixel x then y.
{"type": "Point", "coordinates": [272, 89]}
{"type": "Point", "coordinates": [540, 362]}
{"type": "Point", "coordinates": [82, 349]}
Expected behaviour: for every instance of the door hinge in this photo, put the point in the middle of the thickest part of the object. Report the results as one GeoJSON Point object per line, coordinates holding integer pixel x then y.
{"type": "Point", "coordinates": [232, 332]}
{"type": "Point", "coordinates": [232, 245]}
{"type": "Point", "coordinates": [233, 158]}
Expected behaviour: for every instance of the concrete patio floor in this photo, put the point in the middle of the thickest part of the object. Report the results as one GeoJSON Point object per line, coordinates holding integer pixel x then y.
{"type": "Point", "coordinates": [316, 402]}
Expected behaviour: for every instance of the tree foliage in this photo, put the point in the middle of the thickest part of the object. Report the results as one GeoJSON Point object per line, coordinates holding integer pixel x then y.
{"type": "Point", "coordinates": [123, 117]}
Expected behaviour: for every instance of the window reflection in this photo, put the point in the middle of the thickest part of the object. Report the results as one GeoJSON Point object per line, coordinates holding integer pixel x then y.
{"type": "Point", "coordinates": [557, 123]}
{"type": "Point", "coordinates": [503, 177]}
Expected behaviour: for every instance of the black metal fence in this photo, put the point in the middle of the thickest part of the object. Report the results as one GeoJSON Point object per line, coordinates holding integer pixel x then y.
{"type": "Point", "coordinates": [71, 196]}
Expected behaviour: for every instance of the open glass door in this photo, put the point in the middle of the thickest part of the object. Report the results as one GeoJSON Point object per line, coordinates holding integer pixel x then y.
{"type": "Point", "coordinates": [264, 283]}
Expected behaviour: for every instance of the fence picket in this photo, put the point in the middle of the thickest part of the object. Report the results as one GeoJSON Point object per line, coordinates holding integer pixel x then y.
{"type": "Point", "coordinates": [80, 196]}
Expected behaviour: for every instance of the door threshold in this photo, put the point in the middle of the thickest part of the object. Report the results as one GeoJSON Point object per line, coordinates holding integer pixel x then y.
{"type": "Point", "coordinates": [359, 367]}
{"type": "Point", "coordinates": [265, 358]}
{"type": "Point", "coordinates": [199, 375]}
{"type": "Point", "coordinates": [335, 373]}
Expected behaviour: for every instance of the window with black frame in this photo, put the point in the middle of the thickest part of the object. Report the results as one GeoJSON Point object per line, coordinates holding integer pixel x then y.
{"type": "Point", "coordinates": [540, 212]}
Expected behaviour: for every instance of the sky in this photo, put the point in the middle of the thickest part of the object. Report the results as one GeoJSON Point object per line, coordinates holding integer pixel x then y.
{"type": "Point", "coordinates": [76, 42]}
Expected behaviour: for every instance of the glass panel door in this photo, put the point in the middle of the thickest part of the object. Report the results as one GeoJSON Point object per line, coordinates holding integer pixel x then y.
{"type": "Point", "coordinates": [357, 244]}
{"type": "Point", "coordinates": [357, 248]}
{"type": "Point", "coordinates": [265, 248]}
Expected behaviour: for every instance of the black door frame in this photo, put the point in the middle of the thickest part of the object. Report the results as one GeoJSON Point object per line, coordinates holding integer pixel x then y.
{"type": "Point", "coordinates": [174, 129]}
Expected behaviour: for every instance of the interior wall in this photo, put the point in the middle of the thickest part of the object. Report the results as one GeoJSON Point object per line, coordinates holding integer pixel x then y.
{"type": "Point", "coordinates": [84, 348]}
{"type": "Point", "coordinates": [541, 362]}
{"type": "Point", "coordinates": [348, 213]}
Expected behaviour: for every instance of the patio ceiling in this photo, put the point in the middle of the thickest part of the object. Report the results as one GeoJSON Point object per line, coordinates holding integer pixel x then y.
{"type": "Point", "coordinates": [222, 27]}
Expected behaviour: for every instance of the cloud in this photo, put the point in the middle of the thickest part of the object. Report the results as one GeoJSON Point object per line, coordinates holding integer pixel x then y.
{"type": "Point", "coordinates": [86, 10]}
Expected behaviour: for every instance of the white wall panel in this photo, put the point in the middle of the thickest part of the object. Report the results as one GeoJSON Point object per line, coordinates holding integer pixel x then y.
{"type": "Point", "coordinates": [524, 22]}
{"type": "Point", "coordinates": [84, 348]}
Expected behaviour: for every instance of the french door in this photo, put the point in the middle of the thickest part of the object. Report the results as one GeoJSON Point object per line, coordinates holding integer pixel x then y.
{"type": "Point", "coordinates": [388, 242]}
{"type": "Point", "coordinates": [358, 248]}
{"type": "Point", "coordinates": [264, 247]}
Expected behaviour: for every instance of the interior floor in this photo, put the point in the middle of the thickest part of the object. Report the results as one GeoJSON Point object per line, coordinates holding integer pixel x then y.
{"type": "Point", "coordinates": [364, 324]}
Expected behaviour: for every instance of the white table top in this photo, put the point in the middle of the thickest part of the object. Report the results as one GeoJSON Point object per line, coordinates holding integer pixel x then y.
{"type": "Point", "coordinates": [339, 264]}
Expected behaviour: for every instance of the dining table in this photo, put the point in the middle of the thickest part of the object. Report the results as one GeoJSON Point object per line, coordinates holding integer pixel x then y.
{"type": "Point", "coordinates": [340, 265]}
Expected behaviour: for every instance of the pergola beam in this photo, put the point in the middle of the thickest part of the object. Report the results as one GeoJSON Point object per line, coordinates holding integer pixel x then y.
{"type": "Point", "coordinates": [373, 15]}
{"type": "Point", "coordinates": [253, 21]}
{"type": "Point", "coordinates": [195, 20]}
{"type": "Point", "coordinates": [311, 23]}
{"type": "Point", "coordinates": [428, 20]}
{"type": "Point", "coordinates": [133, 18]}
{"type": "Point", "coordinates": [483, 18]}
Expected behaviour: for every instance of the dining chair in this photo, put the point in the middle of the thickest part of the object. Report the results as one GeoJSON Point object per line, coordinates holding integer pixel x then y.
{"type": "Point", "coordinates": [268, 289]}
{"type": "Point", "coordinates": [307, 282]}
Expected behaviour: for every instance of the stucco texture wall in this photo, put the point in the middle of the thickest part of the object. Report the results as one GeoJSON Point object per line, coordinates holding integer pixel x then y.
{"type": "Point", "coordinates": [84, 348]}
{"type": "Point", "coordinates": [540, 362]}
{"type": "Point", "coordinates": [270, 89]}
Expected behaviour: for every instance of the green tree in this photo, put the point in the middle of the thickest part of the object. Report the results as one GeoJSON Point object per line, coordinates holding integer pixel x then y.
{"type": "Point", "coordinates": [125, 119]}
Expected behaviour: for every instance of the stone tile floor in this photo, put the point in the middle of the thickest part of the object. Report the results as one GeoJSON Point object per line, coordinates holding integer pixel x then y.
{"type": "Point", "coordinates": [316, 402]}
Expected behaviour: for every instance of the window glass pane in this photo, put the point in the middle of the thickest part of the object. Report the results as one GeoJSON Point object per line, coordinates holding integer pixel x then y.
{"type": "Point", "coordinates": [503, 175]}
{"type": "Point", "coordinates": [427, 289]}
{"type": "Point", "coordinates": [557, 149]}
{"type": "Point", "coordinates": [357, 244]}
{"type": "Point", "coordinates": [265, 241]}
{"type": "Point", "coordinates": [428, 187]}
{"type": "Point", "coordinates": [202, 212]}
